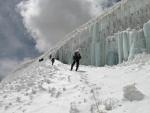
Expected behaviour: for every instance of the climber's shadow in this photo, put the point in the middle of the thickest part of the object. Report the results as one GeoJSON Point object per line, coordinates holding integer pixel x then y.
{"type": "Point", "coordinates": [81, 71]}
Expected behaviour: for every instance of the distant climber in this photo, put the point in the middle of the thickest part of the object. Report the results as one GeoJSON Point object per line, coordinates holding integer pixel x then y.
{"type": "Point", "coordinates": [52, 58]}
{"type": "Point", "coordinates": [41, 59]}
{"type": "Point", "coordinates": [76, 59]}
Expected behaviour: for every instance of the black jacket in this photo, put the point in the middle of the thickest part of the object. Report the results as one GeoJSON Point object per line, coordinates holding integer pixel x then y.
{"type": "Point", "coordinates": [76, 56]}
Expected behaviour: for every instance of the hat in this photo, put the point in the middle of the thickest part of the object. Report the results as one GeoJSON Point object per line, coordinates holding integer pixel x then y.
{"type": "Point", "coordinates": [77, 50]}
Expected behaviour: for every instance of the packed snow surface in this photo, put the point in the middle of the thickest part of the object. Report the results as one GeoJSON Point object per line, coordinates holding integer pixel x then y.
{"type": "Point", "coordinates": [43, 88]}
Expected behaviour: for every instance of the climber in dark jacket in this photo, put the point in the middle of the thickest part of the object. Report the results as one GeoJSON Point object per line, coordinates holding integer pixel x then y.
{"type": "Point", "coordinates": [76, 59]}
{"type": "Point", "coordinates": [52, 58]}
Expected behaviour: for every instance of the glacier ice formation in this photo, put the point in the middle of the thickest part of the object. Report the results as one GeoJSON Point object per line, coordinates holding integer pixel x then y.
{"type": "Point", "coordinates": [115, 36]}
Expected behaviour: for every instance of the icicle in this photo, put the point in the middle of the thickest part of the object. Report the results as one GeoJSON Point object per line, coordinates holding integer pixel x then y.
{"type": "Point", "coordinates": [120, 47]}
{"type": "Point", "coordinates": [125, 45]}
{"type": "Point", "coordinates": [147, 35]}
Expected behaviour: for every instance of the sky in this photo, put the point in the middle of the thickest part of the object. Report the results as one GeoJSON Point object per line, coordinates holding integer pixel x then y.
{"type": "Point", "coordinates": [30, 27]}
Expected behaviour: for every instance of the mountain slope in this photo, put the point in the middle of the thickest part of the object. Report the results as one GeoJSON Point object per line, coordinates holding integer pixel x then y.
{"type": "Point", "coordinates": [43, 88]}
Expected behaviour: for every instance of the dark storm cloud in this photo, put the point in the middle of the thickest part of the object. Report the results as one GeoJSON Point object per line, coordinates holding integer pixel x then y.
{"type": "Point", "coordinates": [15, 43]}
{"type": "Point", "coordinates": [13, 35]}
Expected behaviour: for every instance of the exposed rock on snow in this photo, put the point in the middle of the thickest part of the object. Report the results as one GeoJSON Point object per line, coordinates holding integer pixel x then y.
{"type": "Point", "coordinates": [73, 108]}
{"type": "Point", "coordinates": [110, 103]}
{"type": "Point", "coordinates": [131, 93]}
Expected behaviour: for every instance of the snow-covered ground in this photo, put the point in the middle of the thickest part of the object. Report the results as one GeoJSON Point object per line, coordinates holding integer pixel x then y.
{"type": "Point", "coordinates": [43, 88]}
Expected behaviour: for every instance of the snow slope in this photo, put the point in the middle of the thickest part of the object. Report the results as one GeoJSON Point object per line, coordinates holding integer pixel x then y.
{"type": "Point", "coordinates": [43, 88]}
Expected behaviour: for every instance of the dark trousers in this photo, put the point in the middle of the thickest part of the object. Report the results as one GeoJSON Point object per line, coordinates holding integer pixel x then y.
{"type": "Point", "coordinates": [77, 64]}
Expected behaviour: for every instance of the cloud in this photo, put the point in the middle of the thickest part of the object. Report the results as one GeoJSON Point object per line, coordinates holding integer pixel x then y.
{"type": "Point", "coordinates": [7, 65]}
{"type": "Point", "coordinates": [50, 20]}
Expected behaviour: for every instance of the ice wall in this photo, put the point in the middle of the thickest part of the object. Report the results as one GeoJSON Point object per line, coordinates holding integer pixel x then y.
{"type": "Point", "coordinates": [117, 35]}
